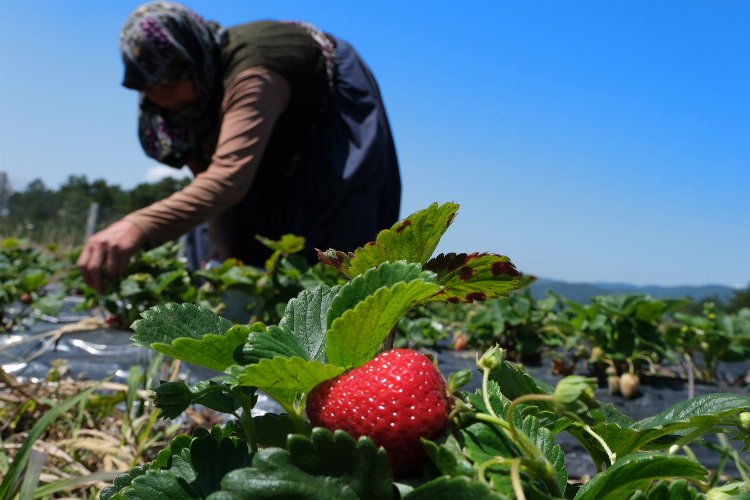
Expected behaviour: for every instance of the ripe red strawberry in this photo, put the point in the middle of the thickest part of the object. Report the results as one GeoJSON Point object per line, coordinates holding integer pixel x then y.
{"type": "Point", "coordinates": [395, 399]}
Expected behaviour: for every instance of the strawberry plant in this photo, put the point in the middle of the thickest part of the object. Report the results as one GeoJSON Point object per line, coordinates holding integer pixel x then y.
{"type": "Point", "coordinates": [25, 270]}
{"type": "Point", "coordinates": [262, 293]}
{"type": "Point", "coordinates": [518, 323]}
{"type": "Point", "coordinates": [153, 277]}
{"type": "Point", "coordinates": [330, 347]}
{"type": "Point", "coordinates": [705, 340]}
{"type": "Point", "coordinates": [623, 333]}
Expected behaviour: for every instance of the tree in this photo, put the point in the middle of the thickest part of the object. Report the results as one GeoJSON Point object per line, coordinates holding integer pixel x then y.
{"type": "Point", "coordinates": [740, 299]}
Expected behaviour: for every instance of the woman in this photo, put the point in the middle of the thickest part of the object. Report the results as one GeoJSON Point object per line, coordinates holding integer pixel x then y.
{"type": "Point", "coordinates": [282, 125]}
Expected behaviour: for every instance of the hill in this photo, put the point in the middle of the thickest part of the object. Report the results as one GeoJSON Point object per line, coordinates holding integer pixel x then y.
{"type": "Point", "coordinates": [582, 292]}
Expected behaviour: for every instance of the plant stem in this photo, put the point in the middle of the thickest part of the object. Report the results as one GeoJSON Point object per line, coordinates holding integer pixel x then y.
{"type": "Point", "coordinates": [246, 419]}
{"type": "Point", "coordinates": [612, 456]}
{"type": "Point", "coordinates": [515, 479]}
{"type": "Point", "coordinates": [485, 392]}
{"type": "Point", "coordinates": [741, 466]}
{"type": "Point", "coordinates": [690, 376]}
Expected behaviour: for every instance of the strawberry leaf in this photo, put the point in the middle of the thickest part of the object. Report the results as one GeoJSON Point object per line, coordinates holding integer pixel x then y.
{"type": "Point", "coordinates": [449, 488]}
{"type": "Point", "coordinates": [323, 466]}
{"type": "Point", "coordinates": [272, 429]}
{"type": "Point", "coordinates": [355, 337]}
{"type": "Point", "coordinates": [269, 343]}
{"type": "Point", "coordinates": [190, 333]}
{"type": "Point", "coordinates": [475, 276]}
{"type": "Point", "coordinates": [708, 412]}
{"type": "Point", "coordinates": [165, 323]}
{"type": "Point", "coordinates": [284, 379]}
{"type": "Point", "coordinates": [385, 275]}
{"type": "Point", "coordinates": [448, 457]}
{"type": "Point", "coordinates": [195, 471]}
{"type": "Point", "coordinates": [636, 471]}
{"type": "Point", "coordinates": [413, 239]}
{"type": "Point", "coordinates": [664, 490]}
{"type": "Point", "coordinates": [306, 317]}
{"type": "Point", "coordinates": [361, 464]}
{"type": "Point", "coordinates": [121, 482]}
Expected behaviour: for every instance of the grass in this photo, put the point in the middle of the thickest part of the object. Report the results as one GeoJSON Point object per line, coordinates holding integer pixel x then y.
{"type": "Point", "coordinates": [62, 438]}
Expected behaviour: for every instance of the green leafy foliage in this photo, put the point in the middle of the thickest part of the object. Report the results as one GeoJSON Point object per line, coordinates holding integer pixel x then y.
{"type": "Point", "coordinates": [323, 466]}
{"type": "Point", "coordinates": [172, 398]}
{"type": "Point", "coordinates": [635, 471]}
{"type": "Point", "coordinates": [188, 332]}
{"type": "Point", "coordinates": [355, 337]}
{"type": "Point", "coordinates": [501, 439]}
{"type": "Point", "coordinates": [412, 239]}
{"type": "Point", "coordinates": [25, 270]}
{"type": "Point", "coordinates": [286, 379]}
{"type": "Point", "coordinates": [663, 490]}
{"type": "Point", "coordinates": [475, 276]}
{"type": "Point", "coordinates": [445, 488]}
{"type": "Point", "coordinates": [190, 468]}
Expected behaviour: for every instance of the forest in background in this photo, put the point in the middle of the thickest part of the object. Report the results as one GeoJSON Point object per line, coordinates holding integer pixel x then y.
{"type": "Point", "coordinates": [46, 215]}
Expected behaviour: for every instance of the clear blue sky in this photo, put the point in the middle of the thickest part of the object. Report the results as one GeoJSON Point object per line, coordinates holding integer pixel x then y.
{"type": "Point", "coordinates": [588, 140]}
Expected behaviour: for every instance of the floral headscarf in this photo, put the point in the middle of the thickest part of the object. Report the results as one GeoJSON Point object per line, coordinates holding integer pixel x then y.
{"type": "Point", "coordinates": [165, 42]}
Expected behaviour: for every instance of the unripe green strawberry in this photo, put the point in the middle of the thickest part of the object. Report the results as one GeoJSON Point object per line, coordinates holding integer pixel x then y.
{"type": "Point", "coordinates": [395, 399]}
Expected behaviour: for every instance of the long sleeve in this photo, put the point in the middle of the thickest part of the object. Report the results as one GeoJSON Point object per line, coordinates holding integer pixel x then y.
{"type": "Point", "coordinates": [251, 106]}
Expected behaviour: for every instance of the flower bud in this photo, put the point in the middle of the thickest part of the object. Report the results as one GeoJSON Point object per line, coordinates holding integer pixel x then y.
{"type": "Point", "coordinates": [575, 394]}
{"type": "Point", "coordinates": [492, 359]}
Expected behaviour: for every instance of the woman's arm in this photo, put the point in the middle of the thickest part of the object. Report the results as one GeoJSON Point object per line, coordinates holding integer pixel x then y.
{"type": "Point", "coordinates": [251, 106]}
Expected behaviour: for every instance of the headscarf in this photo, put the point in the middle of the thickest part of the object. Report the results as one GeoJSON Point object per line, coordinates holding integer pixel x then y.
{"type": "Point", "coordinates": [165, 42]}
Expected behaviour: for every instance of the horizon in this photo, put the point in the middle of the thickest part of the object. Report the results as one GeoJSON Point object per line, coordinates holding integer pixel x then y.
{"type": "Point", "coordinates": [588, 141]}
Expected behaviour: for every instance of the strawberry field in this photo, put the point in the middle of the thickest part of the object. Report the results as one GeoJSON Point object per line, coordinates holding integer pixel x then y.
{"type": "Point", "coordinates": [388, 372]}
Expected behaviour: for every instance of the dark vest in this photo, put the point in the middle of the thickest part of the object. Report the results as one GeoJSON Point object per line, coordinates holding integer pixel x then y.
{"type": "Point", "coordinates": [289, 50]}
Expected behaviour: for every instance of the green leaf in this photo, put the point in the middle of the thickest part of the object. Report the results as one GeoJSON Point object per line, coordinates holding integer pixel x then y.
{"type": "Point", "coordinates": [287, 244]}
{"type": "Point", "coordinates": [360, 464]}
{"type": "Point", "coordinates": [168, 322]}
{"type": "Point", "coordinates": [188, 332]}
{"type": "Point", "coordinates": [710, 406]}
{"type": "Point", "coordinates": [212, 351]}
{"type": "Point", "coordinates": [323, 466]}
{"type": "Point", "coordinates": [515, 382]}
{"type": "Point", "coordinates": [212, 459]}
{"type": "Point", "coordinates": [636, 471]}
{"type": "Point", "coordinates": [387, 274]}
{"type": "Point", "coordinates": [172, 398]}
{"type": "Point", "coordinates": [676, 490]}
{"type": "Point", "coordinates": [544, 440]}
{"type": "Point", "coordinates": [122, 481]}
{"type": "Point", "coordinates": [268, 343]}
{"type": "Point", "coordinates": [475, 276]}
{"type": "Point", "coordinates": [452, 488]}
{"type": "Point", "coordinates": [196, 469]}
{"type": "Point", "coordinates": [14, 472]}
{"type": "Point", "coordinates": [274, 477]}
{"type": "Point", "coordinates": [157, 485]}
{"type": "Point", "coordinates": [413, 239]}
{"type": "Point", "coordinates": [356, 336]}
{"type": "Point", "coordinates": [448, 457]}
{"type": "Point", "coordinates": [306, 317]}
{"type": "Point", "coordinates": [285, 378]}
{"type": "Point", "coordinates": [272, 429]}
{"type": "Point", "coordinates": [707, 412]}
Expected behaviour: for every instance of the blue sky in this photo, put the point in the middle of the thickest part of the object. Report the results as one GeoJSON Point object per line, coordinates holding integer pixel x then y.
{"type": "Point", "coordinates": [589, 141]}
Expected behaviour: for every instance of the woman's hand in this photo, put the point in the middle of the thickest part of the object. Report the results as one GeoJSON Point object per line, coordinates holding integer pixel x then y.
{"type": "Point", "coordinates": [109, 249]}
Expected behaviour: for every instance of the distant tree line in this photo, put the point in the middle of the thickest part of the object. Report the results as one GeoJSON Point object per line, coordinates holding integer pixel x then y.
{"type": "Point", "coordinates": [46, 215]}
